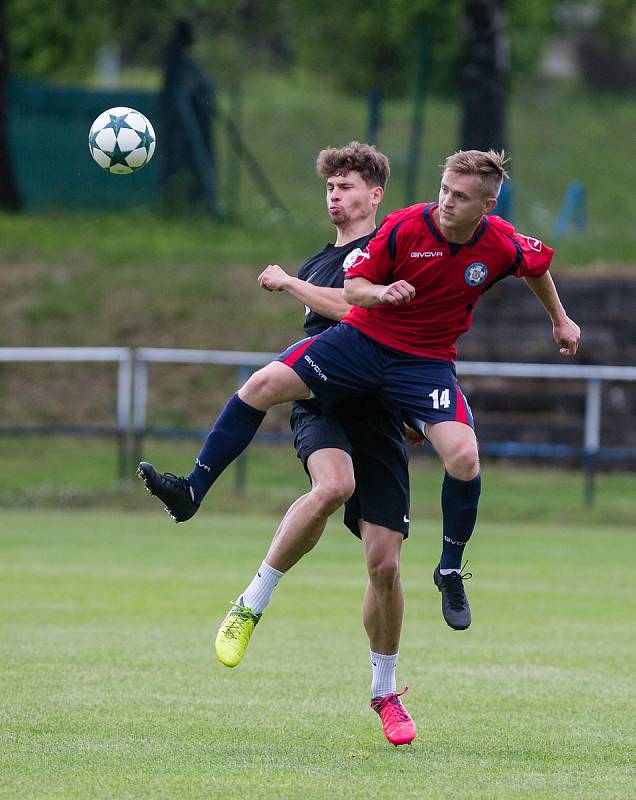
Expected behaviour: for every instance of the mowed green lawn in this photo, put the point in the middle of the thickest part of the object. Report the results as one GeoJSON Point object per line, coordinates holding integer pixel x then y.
{"type": "Point", "coordinates": [110, 689]}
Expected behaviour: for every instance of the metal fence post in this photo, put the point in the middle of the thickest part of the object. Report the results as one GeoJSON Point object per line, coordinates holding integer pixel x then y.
{"type": "Point", "coordinates": [140, 400]}
{"type": "Point", "coordinates": [592, 437]}
{"type": "Point", "coordinates": [124, 402]}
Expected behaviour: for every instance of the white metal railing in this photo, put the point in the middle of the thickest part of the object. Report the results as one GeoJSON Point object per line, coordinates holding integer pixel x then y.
{"type": "Point", "coordinates": [132, 379]}
{"type": "Point", "coordinates": [593, 375]}
{"type": "Point", "coordinates": [167, 355]}
{"type": "Point", "coordinates": [119, 355]}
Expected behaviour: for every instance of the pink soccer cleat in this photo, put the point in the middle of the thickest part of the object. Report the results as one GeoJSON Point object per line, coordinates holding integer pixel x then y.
{"type": "Point", "coordinates": [397, 724]}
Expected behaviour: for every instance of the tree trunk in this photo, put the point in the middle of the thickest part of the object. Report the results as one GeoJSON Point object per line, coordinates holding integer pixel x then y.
{"type": "Point", "coordinates": [484, 76]}
{"type": "Point", "coordinates": [9, 198]}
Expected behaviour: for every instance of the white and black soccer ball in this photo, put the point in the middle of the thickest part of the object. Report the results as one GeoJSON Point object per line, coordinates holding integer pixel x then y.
{"type": "Point", "coordinates": [121, 140]}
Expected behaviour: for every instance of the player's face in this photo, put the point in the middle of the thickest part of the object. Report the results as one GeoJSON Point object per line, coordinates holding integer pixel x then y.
{"type": "Point", "coordinates": [349, 199]}
{"type": "Point", "coordinates": [461, 200]}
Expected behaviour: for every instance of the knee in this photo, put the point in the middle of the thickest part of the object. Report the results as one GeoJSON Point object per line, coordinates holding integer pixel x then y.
{"type": "Point", "coordinates": [334, 492]}
{"type": "Point", "coordinates": [384, 572]}
{"type": "Point", "coordinates": [261, 389]}
{"type": "Point", "coordinates": [463, 463]}
{"type": "Point", "coordinates": [255, 386]}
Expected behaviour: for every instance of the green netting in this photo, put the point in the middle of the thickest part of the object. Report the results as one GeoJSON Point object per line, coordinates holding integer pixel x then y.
{"type": "Point", "coordinates": [48, 130]}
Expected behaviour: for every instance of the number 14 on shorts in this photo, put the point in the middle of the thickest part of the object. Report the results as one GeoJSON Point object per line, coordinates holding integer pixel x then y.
{"type": "Point", "coordinates": [441, 399]}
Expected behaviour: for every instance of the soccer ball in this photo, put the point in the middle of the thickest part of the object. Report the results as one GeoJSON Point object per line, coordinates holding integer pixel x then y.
{"type": "Point", "coordinates": [121, 140]}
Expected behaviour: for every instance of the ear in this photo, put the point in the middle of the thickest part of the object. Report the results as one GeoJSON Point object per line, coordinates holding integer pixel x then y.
{"type": "Point", "coordinates": [376, 195]}
{"type": "Point", "coordinates": [489, 204]}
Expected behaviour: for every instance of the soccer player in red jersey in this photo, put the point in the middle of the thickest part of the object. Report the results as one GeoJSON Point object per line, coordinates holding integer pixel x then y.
{"type": "Point", "coordinates": [413, 289]}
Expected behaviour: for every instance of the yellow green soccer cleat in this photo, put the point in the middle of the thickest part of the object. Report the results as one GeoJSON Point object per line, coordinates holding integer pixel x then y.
{"type": "Point", "coordinates": [234, 634]}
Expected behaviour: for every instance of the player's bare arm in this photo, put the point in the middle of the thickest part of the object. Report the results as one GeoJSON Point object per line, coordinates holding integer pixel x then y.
{"type": "Point", "coordinates": [326, 301]}
{"type": "Point", "coordinates": [361, 292]}
{"type": "Point", "coordinates": [566, 332]}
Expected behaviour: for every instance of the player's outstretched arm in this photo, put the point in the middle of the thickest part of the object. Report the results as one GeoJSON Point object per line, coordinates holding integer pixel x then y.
{"type": "Point", "coordinates": [324, 300]}
{"type": "Point", "coordinates": [363, 293]}
{"type": "Point", "coordinates": [566, 332]}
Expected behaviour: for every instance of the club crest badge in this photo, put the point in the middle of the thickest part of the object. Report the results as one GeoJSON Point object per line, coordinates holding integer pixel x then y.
{"type": "Point", "coordinates": [476, 274]}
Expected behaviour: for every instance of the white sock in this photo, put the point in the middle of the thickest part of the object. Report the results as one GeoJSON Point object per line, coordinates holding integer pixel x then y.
{"type": "Point", "coordinates": [383, 674]}
{"type": "Point", "coordinates": [448, 571]}
{"type": "Point", "coordinates": [259, 592]}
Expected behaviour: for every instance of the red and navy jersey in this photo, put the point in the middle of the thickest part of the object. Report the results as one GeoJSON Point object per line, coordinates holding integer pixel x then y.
{"type": "Point", "coordinates": [327, 268]}
{"type": "Point", "coordinates": [448, 278]}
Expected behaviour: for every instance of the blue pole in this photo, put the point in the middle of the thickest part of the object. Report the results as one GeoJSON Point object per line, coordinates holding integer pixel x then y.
{"type": "Point", "coordinates": [573, 210]}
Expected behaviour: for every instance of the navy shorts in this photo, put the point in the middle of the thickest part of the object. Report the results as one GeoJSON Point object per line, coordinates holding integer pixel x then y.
{"type": "Point", "coordinates": [343, 363]}
{"type": "Point", "coordinates": [374, 439]}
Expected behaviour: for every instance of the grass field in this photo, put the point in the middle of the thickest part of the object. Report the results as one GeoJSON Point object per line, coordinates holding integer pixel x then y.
{"type": "Point", "coordinates": [109, 688]}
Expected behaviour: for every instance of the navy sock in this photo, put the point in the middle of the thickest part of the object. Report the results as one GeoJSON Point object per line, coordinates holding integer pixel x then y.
{"type": "Point", "coordinates": [459, 511]}
{"type": "Point", "coordinates": [233, 430]}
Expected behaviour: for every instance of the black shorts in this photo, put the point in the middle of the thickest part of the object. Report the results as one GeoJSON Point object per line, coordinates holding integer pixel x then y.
{"type": "Point", "coordinates": [373, 438]}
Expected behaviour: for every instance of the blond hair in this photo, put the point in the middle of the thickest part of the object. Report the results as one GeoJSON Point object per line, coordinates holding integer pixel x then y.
{"type": "Point", "coordinates": [487, 165]}
{"type": "Point", "coordinates": [371, 164]}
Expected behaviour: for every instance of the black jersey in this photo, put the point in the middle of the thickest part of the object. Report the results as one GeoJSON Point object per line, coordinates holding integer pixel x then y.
{"type": "Point", "coordinates": [327, 269]}
{"type": "Point", "coordinates": [362, 426]}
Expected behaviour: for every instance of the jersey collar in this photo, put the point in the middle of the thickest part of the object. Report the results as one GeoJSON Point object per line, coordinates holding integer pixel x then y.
{"type": "Point", "coordinates": [354, 242]}
{"type": "Point", "coordinates": [432, 225]}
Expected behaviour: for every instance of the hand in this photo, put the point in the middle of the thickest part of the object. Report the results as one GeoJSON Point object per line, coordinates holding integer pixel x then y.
{"type": "Point", "coordinates": [567, 334]}
{"type": "Point", "coordinates": [396, 293]}
{"type": "Point", "coordinates": [273, 278]}
{"type": "Point", "coordinates": [413, 437]}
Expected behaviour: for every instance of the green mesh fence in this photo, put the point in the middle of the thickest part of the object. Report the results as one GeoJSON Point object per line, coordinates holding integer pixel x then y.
{"type": "Point", "coordinates": [48, 130]}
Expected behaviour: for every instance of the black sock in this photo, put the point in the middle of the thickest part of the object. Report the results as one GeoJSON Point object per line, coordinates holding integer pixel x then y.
{"type": "Point", "coordinates": [233, 430]}
{"type": "Point", "coordinates": [459, 510]}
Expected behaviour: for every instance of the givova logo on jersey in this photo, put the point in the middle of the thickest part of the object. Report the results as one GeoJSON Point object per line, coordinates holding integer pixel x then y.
{"type": "Point", "coordinates": [355, 258]}
{"type": "Point", "coordinates": [476, 274]}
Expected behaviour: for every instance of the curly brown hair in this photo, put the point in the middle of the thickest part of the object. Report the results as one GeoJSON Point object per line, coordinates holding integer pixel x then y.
{"type": "Point", "coordinates": [488, 165]}
{"type": "Point", "coordinates": [371, 164]}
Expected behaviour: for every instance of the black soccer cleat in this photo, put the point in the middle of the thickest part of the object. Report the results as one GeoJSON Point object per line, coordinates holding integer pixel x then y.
{"type": "Point", "coordinates": [175, 492]}
{"type": "Point", "coordinates": [455, 606]}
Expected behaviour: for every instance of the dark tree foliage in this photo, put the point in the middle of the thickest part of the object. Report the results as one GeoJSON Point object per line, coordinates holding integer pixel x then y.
{"type": "Point", "coordinates": [357, 44]}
